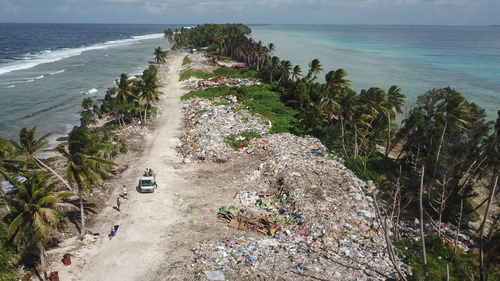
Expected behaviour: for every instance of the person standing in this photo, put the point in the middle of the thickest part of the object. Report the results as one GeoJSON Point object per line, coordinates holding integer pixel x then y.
{"type": "Point", "coordinates": [118, 203]}
{"type": "Point", "coordinates": [125, 193]}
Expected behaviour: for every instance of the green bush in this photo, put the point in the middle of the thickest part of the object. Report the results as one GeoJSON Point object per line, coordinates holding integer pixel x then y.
{"type": "Point", "coordinates": [356, 165]}
{"type": "Point", "coordinates": [7, 254]}
{"type": "Point", "coordinates": [474, 217]}
{"type": "Point", "coordinates": [186, 60]}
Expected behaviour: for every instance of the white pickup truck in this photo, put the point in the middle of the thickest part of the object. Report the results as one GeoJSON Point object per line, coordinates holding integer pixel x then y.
{"type": "Point", "coordinates": [147, 184]}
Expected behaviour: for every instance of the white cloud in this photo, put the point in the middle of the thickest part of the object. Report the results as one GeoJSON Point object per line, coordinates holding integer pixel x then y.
{"type": "Point", "coordinates": [273, 11]}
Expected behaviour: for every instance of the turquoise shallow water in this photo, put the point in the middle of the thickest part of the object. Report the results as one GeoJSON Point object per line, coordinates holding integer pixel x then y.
{"type": "Point", "coordinates": [415, 58]}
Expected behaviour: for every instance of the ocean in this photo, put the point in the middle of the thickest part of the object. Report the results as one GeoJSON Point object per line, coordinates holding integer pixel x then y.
{"type": "Point", "coordinates": [414, 58]}
{"type": "Point", "coordinates": [46, 70]}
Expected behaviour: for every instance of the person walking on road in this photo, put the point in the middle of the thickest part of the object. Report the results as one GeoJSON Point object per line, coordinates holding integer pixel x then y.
{"type": "Point", "coordinates": [118, 203]}
{"type": "Point", "coordinates": [125, 196]}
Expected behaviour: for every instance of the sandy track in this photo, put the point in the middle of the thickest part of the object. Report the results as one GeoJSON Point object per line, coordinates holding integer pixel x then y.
{"type": "Point", "coordinates": [137, 250]}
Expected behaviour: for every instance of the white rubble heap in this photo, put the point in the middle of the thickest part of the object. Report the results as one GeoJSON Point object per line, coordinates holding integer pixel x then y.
{"type": "Point", "coordinates": [323, 216]}
{"type": "Point", "coordinates": [199, 84]}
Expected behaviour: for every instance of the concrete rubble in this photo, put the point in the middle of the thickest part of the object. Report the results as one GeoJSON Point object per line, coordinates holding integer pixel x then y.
{"type": "Point", "coordinates": [316, 218]}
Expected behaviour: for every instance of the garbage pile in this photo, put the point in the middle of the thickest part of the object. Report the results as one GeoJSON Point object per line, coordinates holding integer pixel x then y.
{"type": "Point", "coordinates": [200, 84]}
{"type": "Point", "coordinates": [411, 229]}
{"type": "Point", "coordinates": [315, 217]}
{"type": "Point", "coordinates": [209, 122]}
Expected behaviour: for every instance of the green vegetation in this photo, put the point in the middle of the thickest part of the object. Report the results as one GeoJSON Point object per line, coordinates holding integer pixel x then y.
{"type": "Point", "coordinates": [8, 254]}
{"type": "Point", "coordinates": [160, 56]}
{"type": "Point", "coordinates": [219, 72]}
{"type": "Point", "coordinates": [186, 60]}
{"type": "Point", "coordinates": [210, 93]}
{"type": "Point", "coordinates": [244, 138]}
{"type": "Point", "coordinates": [438, 253]}
{"type": "Point", "coordinates": [131, 98]}
{"type": "Point", "coordinates": [443, 131]}
{"type": "Point", "coordinates": [260, 100]}
{"type": "Point", "coordinates": [188, 73]}
{"type": "Point", "coordinates": [226, 72]}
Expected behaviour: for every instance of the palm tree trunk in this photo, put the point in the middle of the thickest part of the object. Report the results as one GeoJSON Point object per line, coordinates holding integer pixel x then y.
{"type": "Point", "coordinates": [342, 126]}
{"type": "Point", "coordinates": [146, 114]}
{"type": "Point", "coordinates": [459, 224]}
{"type": "Point", "coordinates": [53, 172]}
{"type": "Point", "coordinates": [422, 234]}
{"type": "Point", "coordinates": [482, 273]}
{"type": "Point", "coordinates": [355, 142]}
{"type": "Point", "coordinates": [388, 135]}
{"type": "Point", "coordinates": [82, 211]}
{"type": "Point", "coordinates": [439, 150]}
{"type": "Point", "coordinates": [42, 263]}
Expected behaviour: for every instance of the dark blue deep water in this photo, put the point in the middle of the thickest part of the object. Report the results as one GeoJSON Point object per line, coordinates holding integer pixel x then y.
{"type": "Point", "coordinates": [47, 69]}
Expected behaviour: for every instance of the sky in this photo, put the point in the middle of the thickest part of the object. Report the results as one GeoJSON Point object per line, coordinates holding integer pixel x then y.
{"type": "Point", "coordinates": [406, 12]}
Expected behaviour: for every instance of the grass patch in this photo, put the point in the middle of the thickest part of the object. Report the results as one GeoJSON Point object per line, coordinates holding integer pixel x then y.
{"type": "Point", "coordinates": [226, 72]}
{"type": "Point", "coordinates": [185, 75]}
{"type": "Point", "coordinates": [259, 99]}
{"type": "Point", "coordinates": [243, 137]}
{"type": "Point", "coordinates": [223, 71]}
{"type": "Point", "coordinates": [188, 73]}
{"type": "Point", "coordinates": [210, 93]}
{"type": "Point", "coordinates": [186, 60]}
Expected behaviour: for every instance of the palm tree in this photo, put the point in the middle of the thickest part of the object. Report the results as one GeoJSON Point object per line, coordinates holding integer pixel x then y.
{"type": "Point", "coordinates": [89, 112]}
{"type": "Point", "coordinates": [286, 69]}
{"type": "Point", "coordinates": [395, 102]}
{"type": "Point", "coordinates": [84, 167]}
{"type": "Point", "coordinates": [275, 65]}
{"type": "Point", "coordinates": [271, 48]}
{"type": "Point", "coordinates": [314, 69]}
{"type": "Point", "coordinates": [169, 35]}
{"type": "Point", "coordinates": [456, 111]}
{"type": "Point", "coordinates": [360, 122]}
{"type": "Point", "coordinates": [160, 56]}
{"type": "Point", "coordinates": [347, 105]}
{"type": "Point", "coordinates": [8, 163]}
{"type": "Point", "coordinates": [296, 72]}
{"type": "Point", "coordinates": [35, 211]}
{"type": "Point", "coordinates": [124, 89]}
{"type": "Point", "coordinates": [150, 88]}
{"type": "Point", "coordinates": [28, 146]}
{"type": "Point", "coordinates": [336, 79]}
{"type": "Point", "coordinates": [335, 87]}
